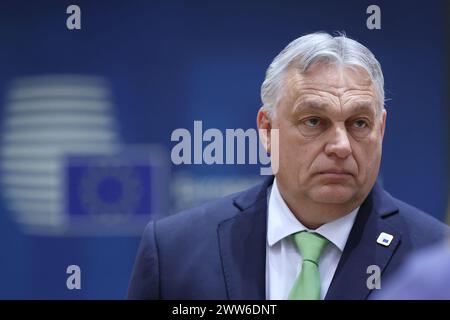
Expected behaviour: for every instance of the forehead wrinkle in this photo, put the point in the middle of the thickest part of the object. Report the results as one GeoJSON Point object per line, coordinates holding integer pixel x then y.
{"type": "Point", "coordinates": [313, 101]}
{"type": "Point", "coordinates": [360, 102]}
{"type": "Point", "coordinates": [320, 104]}
{"type": "Point", "coordinates": [338, 94]}
{"type": "Point", "coordinates": [296, 83]}
{"type": "Point", "coordinates": [318, 87]}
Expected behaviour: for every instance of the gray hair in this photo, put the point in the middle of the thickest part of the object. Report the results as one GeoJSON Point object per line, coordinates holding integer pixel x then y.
{"type": "Point", "coordinates": [321, 46]}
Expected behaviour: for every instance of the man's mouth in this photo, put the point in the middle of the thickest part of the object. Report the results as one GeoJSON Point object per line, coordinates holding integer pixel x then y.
{"type": "Point", "coordinates": [336, 174]}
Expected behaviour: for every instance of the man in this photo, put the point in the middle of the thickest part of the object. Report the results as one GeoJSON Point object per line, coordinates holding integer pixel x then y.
{"type": "Point", "coordinates": [314, 230]}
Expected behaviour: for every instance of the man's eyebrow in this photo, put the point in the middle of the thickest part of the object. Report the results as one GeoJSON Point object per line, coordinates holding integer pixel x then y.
{"type": "Point", "coordinates": [363, 106]}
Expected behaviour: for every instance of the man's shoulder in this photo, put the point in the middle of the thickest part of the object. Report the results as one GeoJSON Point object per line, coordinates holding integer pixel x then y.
{"type": "Point", "coordinates": [417, 217]}
{"type": "Point", "coordinates": [209, 212]}
{"type": "Point", "coordinates": [209, 215]}
{"type": "Point", "coordinates": [416, 222]}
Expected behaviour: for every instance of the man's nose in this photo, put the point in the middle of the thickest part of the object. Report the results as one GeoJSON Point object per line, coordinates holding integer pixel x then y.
{"type": "Point", "coordinates": [339, 143]}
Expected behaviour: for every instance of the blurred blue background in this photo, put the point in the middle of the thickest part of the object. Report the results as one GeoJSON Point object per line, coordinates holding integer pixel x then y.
{"type": "Point", "coordinates": [136, 71]}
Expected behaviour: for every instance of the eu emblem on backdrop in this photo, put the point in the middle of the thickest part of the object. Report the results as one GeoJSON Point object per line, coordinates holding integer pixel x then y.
{"type": "Point", "coordinates": [116, 193]}
{"type": "Point", "coordinates": [111, 190]}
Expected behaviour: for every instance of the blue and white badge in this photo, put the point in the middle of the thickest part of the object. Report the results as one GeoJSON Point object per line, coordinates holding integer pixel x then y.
{"type": "Point", "coordinates": [385, 239]}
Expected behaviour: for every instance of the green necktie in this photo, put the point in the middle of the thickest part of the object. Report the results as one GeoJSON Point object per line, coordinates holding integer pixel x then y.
{"type": "Point", "coordinates": [307, 284]}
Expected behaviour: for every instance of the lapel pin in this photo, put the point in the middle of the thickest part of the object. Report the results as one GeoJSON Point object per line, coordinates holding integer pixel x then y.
{"type": "Point", "coordinates": [385, 239]}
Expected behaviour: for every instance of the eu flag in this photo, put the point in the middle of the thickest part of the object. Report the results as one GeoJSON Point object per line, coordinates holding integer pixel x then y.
{"type": "Point", "coordinates": [114, 188]}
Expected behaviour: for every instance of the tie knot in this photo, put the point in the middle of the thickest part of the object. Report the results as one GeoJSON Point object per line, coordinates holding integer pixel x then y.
{"type": "Point", "coordinates": [310, 245]}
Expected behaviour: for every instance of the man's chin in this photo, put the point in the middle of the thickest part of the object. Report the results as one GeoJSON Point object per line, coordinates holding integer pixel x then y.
{"type": "Point", "coordinates": [333, 194]}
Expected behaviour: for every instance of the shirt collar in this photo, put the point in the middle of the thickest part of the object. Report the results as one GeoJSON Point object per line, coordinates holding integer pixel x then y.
{"type": "Point", "coordinates": [281, 222]}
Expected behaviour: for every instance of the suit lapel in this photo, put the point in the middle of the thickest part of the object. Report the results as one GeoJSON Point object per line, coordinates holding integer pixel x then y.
{"type": "Point", "coordinates": [362, 249]}
{"type": "Point", "coordinates": [242, 241]}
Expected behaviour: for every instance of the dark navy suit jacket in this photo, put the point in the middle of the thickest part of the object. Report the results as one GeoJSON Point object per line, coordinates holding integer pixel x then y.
{"type": "Point", "coordinates": [218, 250]}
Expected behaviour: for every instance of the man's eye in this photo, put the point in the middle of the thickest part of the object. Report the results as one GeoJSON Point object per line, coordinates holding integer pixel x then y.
{"type": "Point", "coordinates": [312, 122]}
{"type": "Point", "coordinates": [360, 123]}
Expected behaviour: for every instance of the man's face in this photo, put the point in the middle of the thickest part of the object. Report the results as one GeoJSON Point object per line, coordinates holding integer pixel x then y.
{"type": "Point", "coordinates": [330, 135]}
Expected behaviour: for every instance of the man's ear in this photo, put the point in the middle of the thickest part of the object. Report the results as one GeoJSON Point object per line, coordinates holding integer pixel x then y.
{"type": "Point", "coordinates": [264, 122]}
{"type": "Point", "coordinates": [383, 122]}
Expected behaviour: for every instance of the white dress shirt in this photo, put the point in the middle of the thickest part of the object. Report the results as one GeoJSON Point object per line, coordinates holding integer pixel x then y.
{"type": "Point", "coordinates": [283, 260]}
